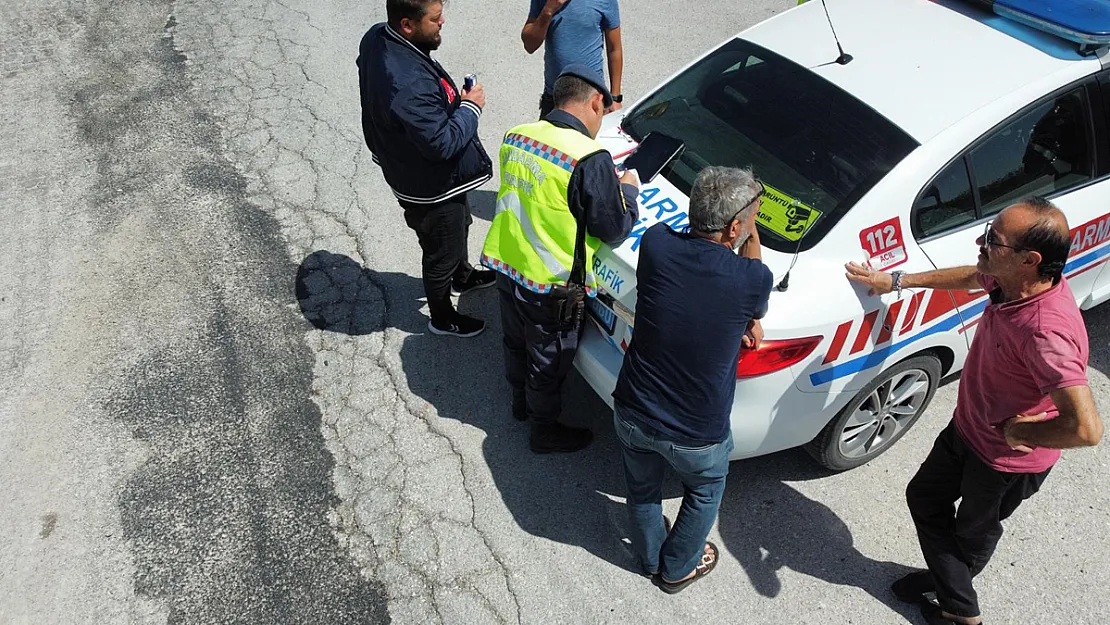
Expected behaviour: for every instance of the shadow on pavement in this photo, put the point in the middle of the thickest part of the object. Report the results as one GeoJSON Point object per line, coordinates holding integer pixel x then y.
{"type": "Point", "coordinates": [337, 294]}
{"type": "Point", "coordinates": [767, 525]}
{"type": "Point", "coordinates": [764, 523]}
{"type": "Point", "coordinates": [1098, 335]}
{"type": "Point", "coordinates": [558, 497]}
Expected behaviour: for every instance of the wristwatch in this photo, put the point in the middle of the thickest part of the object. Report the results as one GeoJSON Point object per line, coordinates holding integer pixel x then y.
{"type": "Point", "coordinates": [618, 98]}
{"type": "Point", "coordinates": [896, 281]}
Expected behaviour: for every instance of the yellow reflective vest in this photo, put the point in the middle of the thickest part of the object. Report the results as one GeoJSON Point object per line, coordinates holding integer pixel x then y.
{"type": "Point", "coordinates": [532, 236]}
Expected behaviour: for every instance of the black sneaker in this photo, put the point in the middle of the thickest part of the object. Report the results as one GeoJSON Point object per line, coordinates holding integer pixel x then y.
{"type": "Point", "coordinates": [478, 279]}
{"type": "Point", "coordinates": [549, 438]}
{"type": "Point", "coordinates": [912, 587]}
{"type": "Point", "coordinates": [934, 615]}
{"type": "Point", "coordinates": [461, 326]}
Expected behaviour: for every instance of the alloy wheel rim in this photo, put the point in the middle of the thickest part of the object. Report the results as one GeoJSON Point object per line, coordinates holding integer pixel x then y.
{"type": "Point", "coordinates": [884, 414]}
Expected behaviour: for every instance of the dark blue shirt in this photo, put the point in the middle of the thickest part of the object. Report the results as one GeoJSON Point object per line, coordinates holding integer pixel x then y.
{"type": "Point", "coordinates": [576, 35]}
{"type": "Point", "coordinates": [694, 301]}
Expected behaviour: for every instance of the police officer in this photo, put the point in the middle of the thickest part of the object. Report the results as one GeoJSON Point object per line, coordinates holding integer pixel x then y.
{"type": "Point", "coordinates": [559, 195]}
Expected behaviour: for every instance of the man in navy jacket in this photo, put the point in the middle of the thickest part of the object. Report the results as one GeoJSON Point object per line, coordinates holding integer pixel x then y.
{"type": "Point", "coordinates": [423, 133]}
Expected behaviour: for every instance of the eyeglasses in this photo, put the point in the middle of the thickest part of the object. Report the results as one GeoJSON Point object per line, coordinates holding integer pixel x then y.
{"type": "Point", "coordinates": [990, 241]}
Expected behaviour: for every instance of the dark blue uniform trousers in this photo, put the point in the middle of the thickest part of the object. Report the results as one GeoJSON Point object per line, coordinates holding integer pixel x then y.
{"type": "Point", "coordinates": [539, 351]}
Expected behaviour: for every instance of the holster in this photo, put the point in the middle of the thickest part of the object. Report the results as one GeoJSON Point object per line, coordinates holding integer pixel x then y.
{"type": "Point", "coordinates": [568, 303]}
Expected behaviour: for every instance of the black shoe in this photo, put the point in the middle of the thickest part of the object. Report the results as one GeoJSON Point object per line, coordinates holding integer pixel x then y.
{"type": "Point", "coordinates": [478, 279]}
{"type": "Point", "coordinates": [910, 588]}
{"type": "Point", "coordinates": [461, 326]}
{"type": "Point", "coordinates": [934, 615]}
{"type": "Point", "coordinates": [549, 438]}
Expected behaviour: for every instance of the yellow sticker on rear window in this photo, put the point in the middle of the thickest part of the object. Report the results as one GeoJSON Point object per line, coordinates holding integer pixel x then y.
{"type": "Point", "coordinates": [784, 215]}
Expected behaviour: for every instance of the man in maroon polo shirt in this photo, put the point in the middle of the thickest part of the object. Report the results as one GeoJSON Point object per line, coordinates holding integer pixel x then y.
{"type": "Point", "coordinates": [1023, 397]}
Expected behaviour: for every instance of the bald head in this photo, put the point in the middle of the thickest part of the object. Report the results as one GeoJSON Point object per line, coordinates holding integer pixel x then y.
{"type": "Point", "coordinates": [1041, 228]}
{"type": "Point", "coordinates": [1045, 213]}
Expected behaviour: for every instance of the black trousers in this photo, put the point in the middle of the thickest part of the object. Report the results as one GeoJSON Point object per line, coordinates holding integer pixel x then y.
{"type": "Point", "coordinates": [958, 542]}
{"type": "Point", "coordinates": [442, 230]}
{"type": "Point", "coordinates": [539, 350]}
{"type": "Point", "coordinates": [547, 104]}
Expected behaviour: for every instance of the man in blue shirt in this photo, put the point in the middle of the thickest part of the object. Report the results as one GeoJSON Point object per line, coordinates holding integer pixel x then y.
{"type": "Point", "coordinates": [574, 31]}
{"type": "Point", "coordinates": [698, 303]}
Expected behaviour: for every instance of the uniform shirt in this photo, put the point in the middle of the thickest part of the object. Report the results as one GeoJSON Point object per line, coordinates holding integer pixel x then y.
{"type": "Point", "coordinates": [576, 35]}
{"type": "Point", "coordinates": [694, 300]}
{"type": "Point", "coordinates": [1022, 351]}
{"type": "Point", "coordinates": [610, 206]}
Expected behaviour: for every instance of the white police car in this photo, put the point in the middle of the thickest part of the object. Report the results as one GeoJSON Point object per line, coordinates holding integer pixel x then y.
{"type": "Point", "coordinates": [945, 114]}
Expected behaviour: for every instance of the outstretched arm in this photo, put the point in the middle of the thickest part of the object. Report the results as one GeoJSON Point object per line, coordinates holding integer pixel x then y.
{"type": "Point", "coordinates": [953, 279]}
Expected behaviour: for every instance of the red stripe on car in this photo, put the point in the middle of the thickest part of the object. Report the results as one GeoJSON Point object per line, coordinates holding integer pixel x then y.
{"type": "Point", "coordinates": [838, 342]}
{"type": "Point", "coordinates": [865, 331]}
{"type": "Point", "coordinates": [888, 325]}
{"type": "Point", "coordinates": [911, 313]}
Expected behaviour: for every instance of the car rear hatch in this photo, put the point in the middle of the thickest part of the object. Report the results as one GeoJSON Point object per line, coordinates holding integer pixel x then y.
{"type": "Point", "coordinates": [615, 267]}
{"type": "Point", "coordinates": [815, 148]}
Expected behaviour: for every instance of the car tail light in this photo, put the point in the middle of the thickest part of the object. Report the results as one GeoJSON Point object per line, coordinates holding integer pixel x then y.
{"type": "Point", "coordinates": [774, 355]}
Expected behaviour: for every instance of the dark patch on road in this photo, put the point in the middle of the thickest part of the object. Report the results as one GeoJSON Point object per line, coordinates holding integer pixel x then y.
{"type": "Point", "coordinates": [215, 176]}
{"type": "Point", "coordinates": [49, 522]}
{"type": "Point", "coordinates": [124, 110]}
{"type": "Point", "coordinates": [227, 518]}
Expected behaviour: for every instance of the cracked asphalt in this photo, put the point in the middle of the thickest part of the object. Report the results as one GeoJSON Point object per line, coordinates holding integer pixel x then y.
{"type": "Point", "coordinates": [219, 404]}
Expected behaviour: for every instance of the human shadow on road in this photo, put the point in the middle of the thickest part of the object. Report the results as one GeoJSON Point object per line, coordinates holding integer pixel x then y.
{"type": "Point", "coordinates": [571, 499]}
{"type": "Point", "coordinates": [1097, 321]}
{"type": "Point", "coordinates": [337, 294]}
{"type": "Point", "coordinates": [767, 525]}
{"type": "Point", "coordinates": [559, 497]}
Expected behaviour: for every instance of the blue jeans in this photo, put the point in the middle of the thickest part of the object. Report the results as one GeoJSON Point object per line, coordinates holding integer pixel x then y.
{"type": "Point", "coordinates": [702, 471]}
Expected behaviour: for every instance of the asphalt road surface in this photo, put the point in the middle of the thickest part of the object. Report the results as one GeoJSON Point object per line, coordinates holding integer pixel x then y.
{"type": "Point", "coordinates": [219, 403]}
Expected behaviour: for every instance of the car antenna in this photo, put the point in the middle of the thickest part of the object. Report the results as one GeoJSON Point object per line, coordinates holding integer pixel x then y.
{"type": "Point", "coordinates": [785, 282]}
{"type": "Point", "coordinates": [844, 57]}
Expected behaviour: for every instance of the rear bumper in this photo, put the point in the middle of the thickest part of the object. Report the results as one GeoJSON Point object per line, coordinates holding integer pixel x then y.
{"type": "Point", "coordinates": [598, 360]}
{"type": "Point", "coordinates": [769, 413]}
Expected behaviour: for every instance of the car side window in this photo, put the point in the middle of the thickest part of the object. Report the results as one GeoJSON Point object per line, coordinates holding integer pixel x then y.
{"type": "Point", "coordinates": [947, 202]}
{"type": "Point", "coordinates": [1044, 150]}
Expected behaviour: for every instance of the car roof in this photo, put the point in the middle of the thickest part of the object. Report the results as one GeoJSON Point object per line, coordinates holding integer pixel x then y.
{"type": "Point", "coordinates": [922, 64]}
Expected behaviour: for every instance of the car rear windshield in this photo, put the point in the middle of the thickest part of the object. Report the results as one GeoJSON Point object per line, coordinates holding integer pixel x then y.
{"type": "Point", "coordinates": [816, 148]}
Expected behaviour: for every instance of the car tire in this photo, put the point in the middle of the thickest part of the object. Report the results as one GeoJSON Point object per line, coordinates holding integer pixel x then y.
{"type": "Point", "coordinates": [878, 415]}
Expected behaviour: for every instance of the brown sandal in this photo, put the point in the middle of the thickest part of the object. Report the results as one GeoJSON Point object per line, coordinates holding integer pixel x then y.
{"type": "Point", "coordinates": [705, 566]}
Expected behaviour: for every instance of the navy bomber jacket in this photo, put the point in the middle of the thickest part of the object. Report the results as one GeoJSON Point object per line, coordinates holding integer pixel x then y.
{"type": "Point", "coordinates": [418, 128]}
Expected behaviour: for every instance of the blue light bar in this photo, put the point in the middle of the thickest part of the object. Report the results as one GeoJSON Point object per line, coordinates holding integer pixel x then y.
{"type": "Point", "coordinates": [1086, 22]}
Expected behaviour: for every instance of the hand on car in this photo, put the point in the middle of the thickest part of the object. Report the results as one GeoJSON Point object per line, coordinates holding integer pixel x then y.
{"type": "Point", "coordinates": [879, 281]}
{"type": "Point", "coordinates": [616, 106]}
{"type": "Point", "coordinates": [477, 95]}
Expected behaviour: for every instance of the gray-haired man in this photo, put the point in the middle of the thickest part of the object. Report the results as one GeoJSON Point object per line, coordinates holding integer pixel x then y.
{"type": "Point", "coordinates": [698, 302]}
